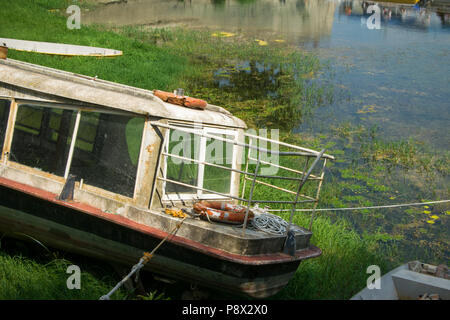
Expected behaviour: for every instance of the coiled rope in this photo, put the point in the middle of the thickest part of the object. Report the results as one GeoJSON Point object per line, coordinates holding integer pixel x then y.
{"type": "Point", "coordinates": [269, 223]}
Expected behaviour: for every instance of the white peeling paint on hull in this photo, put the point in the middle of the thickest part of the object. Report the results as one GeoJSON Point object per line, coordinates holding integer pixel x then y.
{"type": "Point", "coordinates": [58, 48]}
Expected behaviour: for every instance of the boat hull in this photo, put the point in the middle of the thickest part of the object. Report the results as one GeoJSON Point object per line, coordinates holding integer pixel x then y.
{"type": "Point", "coordinates": [113, 238]}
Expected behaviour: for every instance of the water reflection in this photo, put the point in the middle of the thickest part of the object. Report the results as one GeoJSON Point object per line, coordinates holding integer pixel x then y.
{"type": "Point", "coordinates": [420, 15]}
{"type": "Point", "coordinates": [402, 67]}
{"type": "Point", "coordinates": [295, 19]}
{"type": "Point", "coordinates": [249, 79]}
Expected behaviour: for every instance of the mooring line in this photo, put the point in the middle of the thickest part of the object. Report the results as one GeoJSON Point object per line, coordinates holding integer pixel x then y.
{"type": "Point", "coordinates": [363, 208]}
{"type": "Point", "coordinates": [145, 258]}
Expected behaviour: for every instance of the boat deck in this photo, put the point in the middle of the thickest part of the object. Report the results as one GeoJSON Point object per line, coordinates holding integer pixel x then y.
{"type": "Point", "coordinates": [220, 236]}
{"type": "Point", "coordinates": [224, 236]}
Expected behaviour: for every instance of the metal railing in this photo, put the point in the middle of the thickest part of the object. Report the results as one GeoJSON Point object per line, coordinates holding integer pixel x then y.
{"type": "Point", "coordinates": [305, 175]}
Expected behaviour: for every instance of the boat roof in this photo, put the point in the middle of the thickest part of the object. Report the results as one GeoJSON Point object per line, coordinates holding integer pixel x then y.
{"type": "Point", "coordinates": [94, 91]}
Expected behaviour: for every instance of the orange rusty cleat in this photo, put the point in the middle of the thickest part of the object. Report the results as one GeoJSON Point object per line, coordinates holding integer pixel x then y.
{"type": "Point", "coordinates": [184, 101]}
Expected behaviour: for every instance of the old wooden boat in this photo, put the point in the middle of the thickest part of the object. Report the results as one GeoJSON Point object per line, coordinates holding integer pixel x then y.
{"type": "Point", "coordinates": [112, 144]}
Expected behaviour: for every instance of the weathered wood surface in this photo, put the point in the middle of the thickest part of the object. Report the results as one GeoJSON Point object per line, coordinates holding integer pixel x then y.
{"type": "Point", "coordinates": [58, 48]}
{"type": "Point", "coordinates": [97, 92]}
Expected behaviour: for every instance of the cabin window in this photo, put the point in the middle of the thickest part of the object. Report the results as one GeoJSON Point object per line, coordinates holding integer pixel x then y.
{"type": "Point", "coordinates": [202, 149]}
{"type": "Point", "coordinates": [4, 114]}
{"type": "Point", "coordinates": [42, 137]}
{"type": "Point", "coordinates": [184, 145]}
{"type": "Point", "coordinates": [220, 153]}
{"type": "Point", "coordinates": [107, 151]}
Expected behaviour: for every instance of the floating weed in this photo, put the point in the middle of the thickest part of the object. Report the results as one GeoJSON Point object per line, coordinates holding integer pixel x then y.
{"type": "Point", "coordinates": [382, 236]}
{"type": "Point", "coordinates": [227, 34]}
{"type": "Point", "coordinates": [367, 109]}
{"type": "Point", "coordinates": [262, 42]}
{"type": "Point", "coordinates": [223, 34]}
{"type": "Point", "coordinates": [309, 75]}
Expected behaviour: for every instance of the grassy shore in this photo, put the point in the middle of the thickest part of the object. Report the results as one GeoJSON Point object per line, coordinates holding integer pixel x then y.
{"type": "Point", "coordinates": [167, 59]}
{"type": "Point", "coordinates": [23, 278]}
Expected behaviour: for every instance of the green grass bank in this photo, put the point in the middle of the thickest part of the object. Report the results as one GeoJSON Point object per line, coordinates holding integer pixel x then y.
{"type": "Point", "coordinates": [196, 60]}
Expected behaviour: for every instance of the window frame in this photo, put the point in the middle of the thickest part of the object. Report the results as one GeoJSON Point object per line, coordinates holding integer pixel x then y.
{"type": "Point", "coordinates": [78, 111]}
{"type": "Point", "coordinates": [198, 193]}
{"type": "Point", "coordinates": [4, 144]}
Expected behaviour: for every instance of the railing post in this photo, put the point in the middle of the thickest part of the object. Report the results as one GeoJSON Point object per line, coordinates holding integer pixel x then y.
{"type": "Point", "coordinates": [162, 170]}
{"type": "Point", "coordinates": [294, 205]}
{"type": "Point", "coordinates": [251, 194]}
{"type": "Point", "coordinates": [246, 167]}
{"type": "Point", "coordinates": [317, 194]}
{"type": "Point", "coordinates": [300, 186]}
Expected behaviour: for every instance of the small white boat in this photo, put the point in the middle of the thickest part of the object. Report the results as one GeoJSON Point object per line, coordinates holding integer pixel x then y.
{"type": "Point", "coordinates": [411, 281]}
{"type": "Point", "coordinates": [58, 48]}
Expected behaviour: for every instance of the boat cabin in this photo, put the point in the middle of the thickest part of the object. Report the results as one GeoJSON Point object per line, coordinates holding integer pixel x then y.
{"type": "Point", "coordinates": [55, 123]}
{"type": "Point", "coordinates": [132, 155]}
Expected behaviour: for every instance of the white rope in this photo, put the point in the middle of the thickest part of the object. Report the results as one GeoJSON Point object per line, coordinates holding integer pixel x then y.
{"type": "Point", "coordinates": [363, 208]}
{"type": "Point", "coordinates": [269, 223]}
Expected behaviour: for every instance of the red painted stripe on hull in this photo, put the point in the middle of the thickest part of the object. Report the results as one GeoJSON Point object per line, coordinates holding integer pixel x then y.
{"type": "Point", "coordinates": [310, 252]}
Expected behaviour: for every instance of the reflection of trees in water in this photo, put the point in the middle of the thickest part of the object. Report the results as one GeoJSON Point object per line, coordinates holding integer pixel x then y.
{"type": "Point", "coordinates": [253, 80]}
{"type": "Point", "coordinates": [302, 9]}
{"type": "Point", "coordinates": [279, 95]}
{"type": "Point", "coordinates": [245, 1]}
{"type": "Point", "coordinates": [300, 5]}
{"type": "Point", "coordinates": [218, 4]}
{"type": "Point", "coordinates": [293, 20]}
{"type": "Point", "coordinates": [445, 18]}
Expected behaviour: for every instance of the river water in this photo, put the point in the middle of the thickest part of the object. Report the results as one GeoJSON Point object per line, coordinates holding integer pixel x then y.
{"type": "Point", "coordinates": [394, 74]}
{"type": "Point", "coordinates": [401, 70]}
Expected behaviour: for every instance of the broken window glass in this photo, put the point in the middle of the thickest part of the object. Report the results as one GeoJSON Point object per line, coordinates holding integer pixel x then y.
{"type": "Point", "coordinates": [107, 151]}
{"type": "Point", "coordinates": [42, 137]}
{"type": "Point", "coordinates": [4, 114]}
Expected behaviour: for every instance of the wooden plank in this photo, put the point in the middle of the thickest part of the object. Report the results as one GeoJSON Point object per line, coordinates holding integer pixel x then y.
{"type": "Point", "coordinates": [58, 48]}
